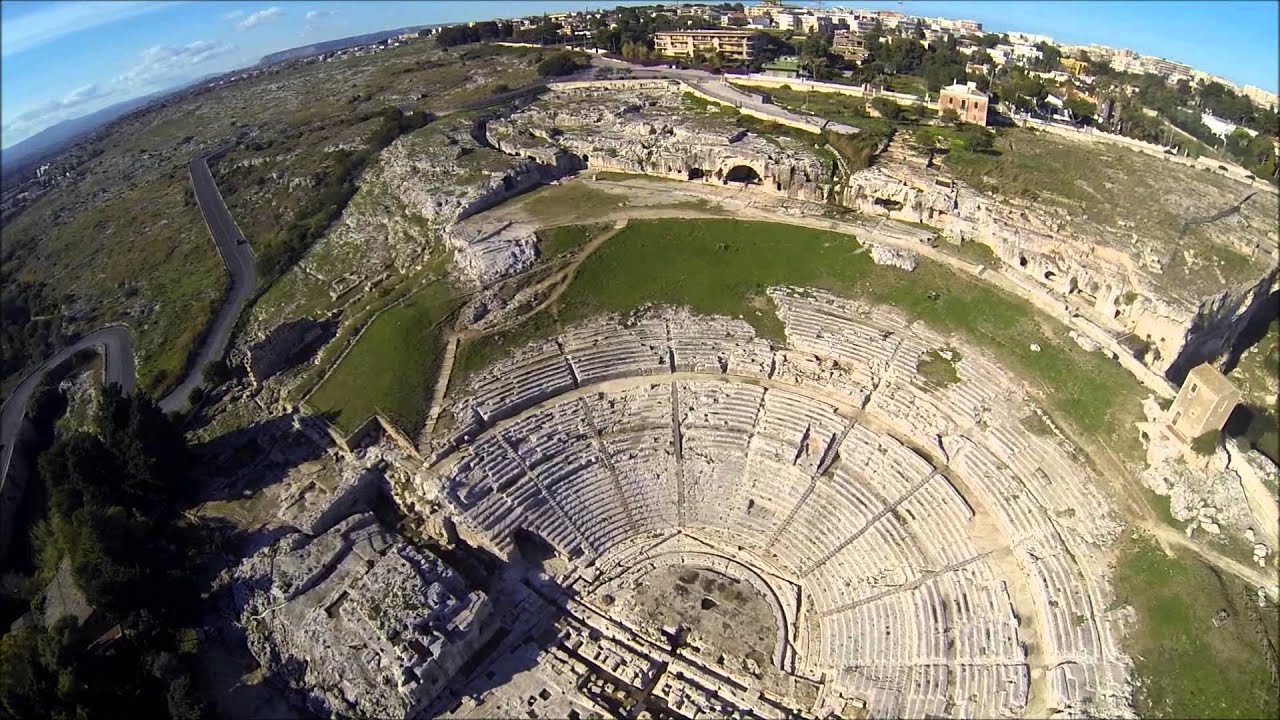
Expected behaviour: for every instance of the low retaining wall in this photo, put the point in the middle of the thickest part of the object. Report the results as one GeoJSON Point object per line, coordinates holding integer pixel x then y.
{"type": "Point", "coordinates": [814, 126]}
{"type": "Point", "coordinates": [804, 85]}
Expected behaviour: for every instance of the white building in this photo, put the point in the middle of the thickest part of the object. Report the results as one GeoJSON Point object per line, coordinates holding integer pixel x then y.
{"type": "Point", "coordinates": [1018, 38]}
{"type": "Point", "coordinates": [1223, 128]}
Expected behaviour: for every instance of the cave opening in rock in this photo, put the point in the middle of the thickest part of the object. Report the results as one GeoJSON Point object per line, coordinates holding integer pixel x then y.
{"type": "Point", "coordinates": [1022, 261]}
{"type": "Point", "coordinates": [696, 173]}
{"type": "Point", "coordinates": [886, 203]}
{"type": "Point", "coordinates": [742, 174]}
{"type": "Point", "coordinates": [1050, 275]}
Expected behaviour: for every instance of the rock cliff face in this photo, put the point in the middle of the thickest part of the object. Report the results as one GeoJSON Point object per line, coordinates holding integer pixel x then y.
{"type": "Point", "coordinates": [652, 129]}
{"type": "Point", "coordinates": [402, 219]}
{"type": "Point", "coordinates": [1160, 282]}
{"type": "Point", "coordinates": [359, 622]}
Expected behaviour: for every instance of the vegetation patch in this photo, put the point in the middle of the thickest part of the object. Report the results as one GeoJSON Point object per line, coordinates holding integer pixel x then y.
{"type": "Point", "coordinates": [1187, 666]}
{"type": "Point", "coordinates": [938, 367]}
{"type": "Point", "coordinates": [392, 367]}
{"type": "Point", "coordinates": [564, 239]}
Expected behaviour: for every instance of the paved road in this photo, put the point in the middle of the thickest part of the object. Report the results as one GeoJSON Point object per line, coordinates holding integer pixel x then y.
{"type": "Point", "coordinates": [238, 257]}
{"type": "Point", "coordinates": [717, 86]}
{"type": "Point", "coordinates": [115, 343]}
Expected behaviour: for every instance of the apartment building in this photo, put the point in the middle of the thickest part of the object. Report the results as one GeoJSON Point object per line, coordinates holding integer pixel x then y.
{"type": "Point", "coordinates": [849, 45]}
{"type": "Point", "coordinates": [733, 44]}
{"type": "Point", "coordinates": [1260, 97]}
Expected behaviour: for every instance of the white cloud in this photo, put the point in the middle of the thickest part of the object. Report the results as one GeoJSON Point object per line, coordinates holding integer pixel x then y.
{"type": "Point", "coordinates": [233, 15]}
{"type": "Point", "coordinates": [56, 20]}
{"type": "Point", "coordinates": [317, 14]}
{"type": "Point", "coordinates": [261, 17]}
{"type": "Point", "coordinates": [51, 112]}
{"type": "Point", "coordinates": [157, 67]}
{"type": "Point", "coordinates": [166, 62]}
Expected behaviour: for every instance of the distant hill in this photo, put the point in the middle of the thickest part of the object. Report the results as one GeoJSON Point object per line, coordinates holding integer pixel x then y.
{"type": "Point", "coordinates": [339, 44]}
{"type": "Point", "coordinates": [55, 138]}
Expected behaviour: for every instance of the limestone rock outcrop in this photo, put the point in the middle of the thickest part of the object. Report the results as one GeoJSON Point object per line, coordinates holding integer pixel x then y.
{"type": "Point", "coordinates": [1160, 280]}
{"type": "Point", "coordinates": [360, 622]}
{"type": "Point", "coordinates": [651, 128]}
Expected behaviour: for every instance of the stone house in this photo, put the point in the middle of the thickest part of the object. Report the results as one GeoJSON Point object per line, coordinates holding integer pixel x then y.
{"type": "Point", "coordinates": [967, 100]}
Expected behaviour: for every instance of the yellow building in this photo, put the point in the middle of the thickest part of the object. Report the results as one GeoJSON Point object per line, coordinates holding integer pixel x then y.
{"type": "Point", "coordinates": [732, 44]}
{"type": "Point", "coordinates": [1074, 66]}
{"type": "Point", "coordinates": [849, 45]}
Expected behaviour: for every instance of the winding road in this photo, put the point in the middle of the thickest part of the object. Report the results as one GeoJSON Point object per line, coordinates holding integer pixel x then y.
{"type": "Point", "coordinates": [115, 342]}
{"type": "Point", "coordinates": [238, 257]}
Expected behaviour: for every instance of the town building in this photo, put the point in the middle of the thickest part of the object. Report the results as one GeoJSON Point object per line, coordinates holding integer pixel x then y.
{"type": "Point", "coordinates": [967, 100]}
{"type": "Point", "coordinates": [849, 45]}
{"type": "Point", "coordinates": [1260, 97]}
{"type": "Point", "coordinates": [1203, 404]}
{"type": "Point", "coordinates": [1223, 128]}
{"type": "Point", "coordinates": [815, 23]}
{"type": "Point", "coordinates": [1074, 66]}
{"type": "Point", "coordinates": [732, 44]}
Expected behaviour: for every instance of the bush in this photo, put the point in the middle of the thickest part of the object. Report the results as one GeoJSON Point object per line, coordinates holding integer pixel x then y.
{"type": "Point", "coordinates": [216, 373]}
{"type": "Point", "coordinates": [561, 63]}
{"type": "Point", "coordinates": [1207, 444]}
{"type": "Point", "coordinates": [886, 108]}
{"type": "Point", "coordinates": [977, 139]}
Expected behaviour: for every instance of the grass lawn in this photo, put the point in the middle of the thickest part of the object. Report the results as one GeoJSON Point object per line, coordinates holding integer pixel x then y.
{"type": "Point", "coordinates": [574, 202]}
{"type": "Point", "coordinates": [1189, 668]}
{"type": "Point", "coordinates": [392, 367]}
{"type": "Point", "coordinates": [723, 267]}
{"type": "Point", "coordinates": [567, 238]}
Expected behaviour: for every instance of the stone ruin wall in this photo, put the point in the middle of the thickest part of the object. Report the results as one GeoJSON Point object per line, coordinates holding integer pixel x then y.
{"type": "Point", "coordinates": [645, 137]}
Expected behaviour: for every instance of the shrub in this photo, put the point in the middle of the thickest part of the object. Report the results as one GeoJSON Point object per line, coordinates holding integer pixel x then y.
{"type": "Point", "coordinates": [561, 63]}
{"type": "Point", "coordinates": [1207, 444]}
{"type": "Point", "coordinates": [886, 108]}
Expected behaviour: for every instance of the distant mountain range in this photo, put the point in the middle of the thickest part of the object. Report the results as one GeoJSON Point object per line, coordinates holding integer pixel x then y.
{"type": "Point", "coordinates": [339, 44]}
{"type": "Point", "coordinates": [55, 138]}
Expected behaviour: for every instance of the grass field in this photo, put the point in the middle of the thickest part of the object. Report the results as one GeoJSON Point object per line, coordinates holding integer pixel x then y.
{"type": "Point", "coordinates": [723, 267]}
{"type": "Point", "coordinates": [1189, 667]}
{"type": "Point", "coordinates": [392, 367]}
{"type": "Point", "coordinates": [567, 238]}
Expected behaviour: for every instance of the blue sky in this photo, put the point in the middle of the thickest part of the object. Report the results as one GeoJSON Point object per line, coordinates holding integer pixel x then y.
{"type": "Point", "coordinates": [65, 59]}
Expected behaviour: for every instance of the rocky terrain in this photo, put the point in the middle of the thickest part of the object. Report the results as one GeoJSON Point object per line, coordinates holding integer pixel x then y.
{"type": "Point", "coordinates": [1181, 273]}
{"type": "Point", "coordinates": [359, 621]}
{"type": "Point", "coordinates": [649, 127]}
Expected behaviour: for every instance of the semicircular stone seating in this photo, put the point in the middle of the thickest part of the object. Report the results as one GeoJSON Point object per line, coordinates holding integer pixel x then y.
{"type": "Point", "coordinates": [942, 558]}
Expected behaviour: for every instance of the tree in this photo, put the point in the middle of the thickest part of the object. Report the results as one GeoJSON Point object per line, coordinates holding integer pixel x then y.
{"type": "Point", "coordinates": [1050, 57]}
{"type": "Point", "coordinates": [950, 116]}
{"type": "Point", "coordinates": [558, 64]}
{"type": "Point", "coordinates": [1081, 109]}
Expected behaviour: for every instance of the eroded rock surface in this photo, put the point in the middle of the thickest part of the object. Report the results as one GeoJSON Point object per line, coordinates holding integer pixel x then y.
{"type": "Point", "coordinates": [651, 128]}
{"type": "Point", "coordinates": [362, 622]}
